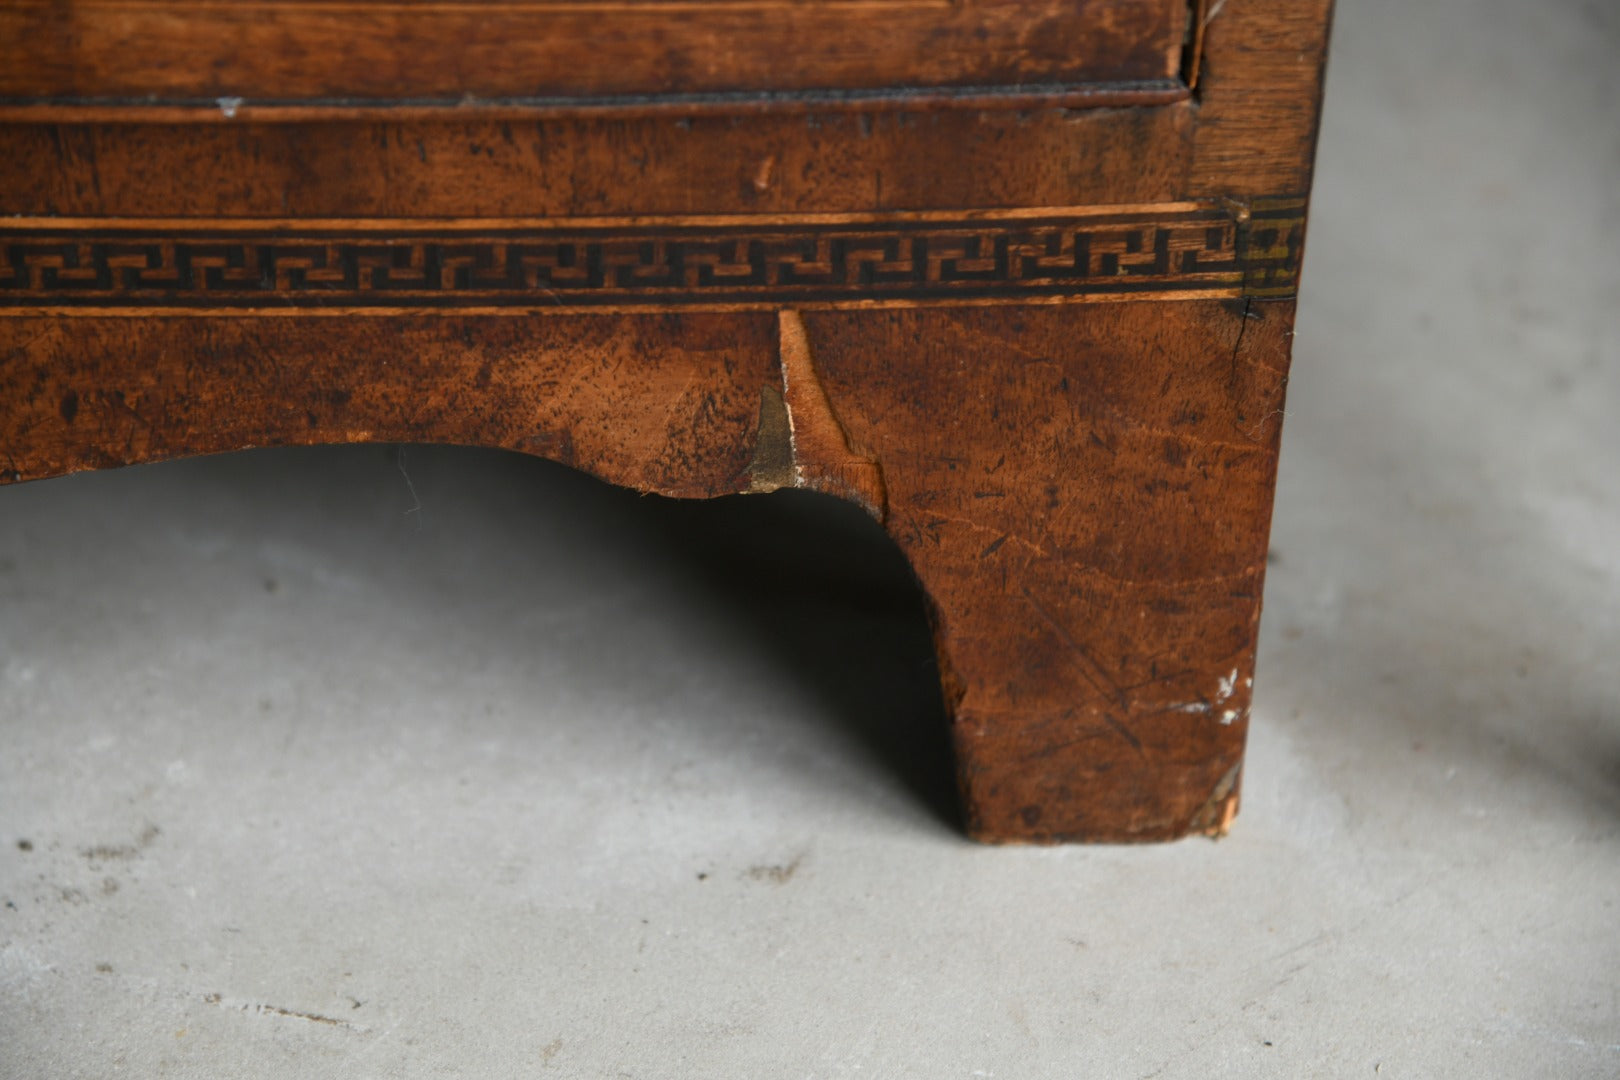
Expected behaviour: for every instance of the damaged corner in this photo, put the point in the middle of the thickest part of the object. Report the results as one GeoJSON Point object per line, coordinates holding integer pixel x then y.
{"type": "Point", "coordinates": [1214, 818]}
{"type": "Point", "coordinates": [801, 442]}
{"type": "Point", "coordinates": [1199, 15]}
{"type": "Point", "coordinates": [772, 466]}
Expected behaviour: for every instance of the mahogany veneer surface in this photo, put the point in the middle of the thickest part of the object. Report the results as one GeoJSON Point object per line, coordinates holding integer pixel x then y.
{"type": "Point", "coordinates": [1016, 276]}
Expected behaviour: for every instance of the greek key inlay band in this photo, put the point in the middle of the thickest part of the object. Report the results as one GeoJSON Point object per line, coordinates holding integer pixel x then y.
{"type": "Point", "coordinates": [989, 257]}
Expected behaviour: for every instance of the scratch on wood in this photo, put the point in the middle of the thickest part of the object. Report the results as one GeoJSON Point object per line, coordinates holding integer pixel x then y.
{"type": "Point", "coordinates": [1091, 670]}
{"type": "Point", "coordinates": [1124, 421]}
{"type": "Point", "coordinates": [1173, 583]}
{"type": "Point", "coordinates": [1243, 329]}
{"type": "Point", "coordinates": [1001, 537]}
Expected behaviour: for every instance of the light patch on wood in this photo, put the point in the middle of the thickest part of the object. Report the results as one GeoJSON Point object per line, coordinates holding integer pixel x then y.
{"type": "Point", "coordinates": [772, 467]}
{"type": "Point", "coordinates": [762, 175]}
{"type": "Point", "coordinates": [1214, 817]}
{"type": "Point", "coordinates": [823, 458]}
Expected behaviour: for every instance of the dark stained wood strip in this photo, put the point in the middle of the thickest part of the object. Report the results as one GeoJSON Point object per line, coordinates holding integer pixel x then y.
{"type": "Point", "coordinates": [233, 110]}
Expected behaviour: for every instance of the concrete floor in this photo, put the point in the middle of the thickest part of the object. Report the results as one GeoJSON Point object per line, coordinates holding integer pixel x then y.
{"type": "Point", "coordinates": [338, 763]}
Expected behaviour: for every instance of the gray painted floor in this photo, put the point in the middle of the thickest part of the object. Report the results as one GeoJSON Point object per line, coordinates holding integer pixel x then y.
{"type": "Point", "coordinates": [310, 770]}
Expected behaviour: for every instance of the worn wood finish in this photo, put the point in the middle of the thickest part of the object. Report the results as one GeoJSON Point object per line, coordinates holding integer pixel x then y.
{"type": "Point", "coordinates": [470, 166]}
{"type": "Point", "coordinates": [1041, 334]}
{"type": "Point", "coordinates": [1260, 90]}
{"type": "Point", "coordinates": [388, 50]}
{"type": "Point", "coordinates": [664, 403]}
{"type": "Point", "coordinates": [1094, 559]}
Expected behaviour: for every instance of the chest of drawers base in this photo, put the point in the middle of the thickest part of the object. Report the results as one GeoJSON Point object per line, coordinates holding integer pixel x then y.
{"type": "Point", "coordinates": [1041, 334]}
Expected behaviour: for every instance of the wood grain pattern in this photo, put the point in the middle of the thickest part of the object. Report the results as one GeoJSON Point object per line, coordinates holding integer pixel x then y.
{"type": "Point", "coordinates": [811, 262]}
{"type": "Point", "coordinates": [1091, 529]}
{"type": "Point", "coordinates": [665, 404]}
{"type": "Point", "coordinates": [1260, 91]}
{"type": "Point", "coordinates": [1090, 526]}
{"type": "Point", "coordinates": [588, 167]}
{"type": "Point", "coordinates": [81, 49]}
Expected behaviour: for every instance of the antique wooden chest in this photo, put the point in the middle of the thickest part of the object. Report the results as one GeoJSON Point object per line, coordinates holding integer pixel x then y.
{"type": "Point", "coordinates": [1016, 276]}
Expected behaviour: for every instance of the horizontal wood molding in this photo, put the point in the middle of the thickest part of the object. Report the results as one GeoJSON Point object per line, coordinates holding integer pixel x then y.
{"type": "Point", "coordinates": [722, 262]}
{"type": "Point", "coordinates": [253, 49]}
{"type": "Point", "coordinates": [467, 166]}
{"type": "Point", "coordinates": [235, 110]}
